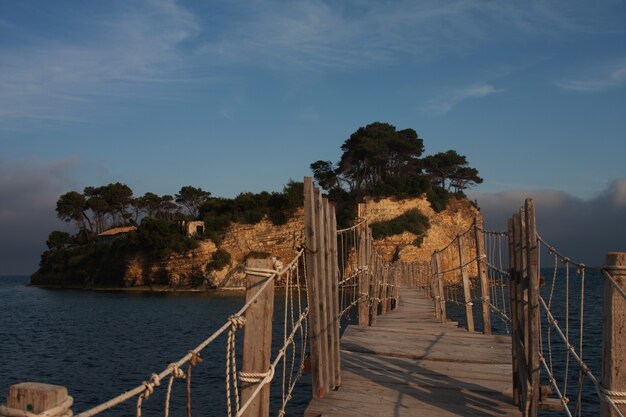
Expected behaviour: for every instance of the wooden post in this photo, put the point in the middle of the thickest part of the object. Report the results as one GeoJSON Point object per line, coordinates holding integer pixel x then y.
{"type": "Point", "coordinates": [257, 338]}
{"type": "Point", "coordinates": [376, 276]}
{"type": "Point", "coordinates": [442, 294]}
{"type": "Point", "coordinates": [322, 282]}
{"type": "Point", "coordinates": [435, 287]}
{"type": "Point", "coordinates": [467, 291]}
{"type": "Point", "coordinates": [534, 329]}
{"type": "Point", "coordinates": [614, 333]}
{"type": "Point", "coordinates": [328, 296]}
{"type": "Point", "coordinates": [363, 275]}
{"type": "Point", "coordinates": [383, 289]}
{"type": "Point", "coordinates": [514, 320]}
{"type": "Point", "coordinates": [520, 343]}
{"type": "Point", "coordinates": [335, 294]}
{"type": "Point", "coordinates": [37, 398]}
{"type": "Point", "coordinates": [318, 377]}
{"type": "Point", "coordinates": [479, 237]}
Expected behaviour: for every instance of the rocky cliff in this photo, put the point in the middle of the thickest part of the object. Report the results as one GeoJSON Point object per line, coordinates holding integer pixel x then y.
{"type": "Point", "coordinates": [444, 226]}
{"type": "Point", "coordinates": [96, 266]}
{"type": "Point", "coordinates": [264, 238]}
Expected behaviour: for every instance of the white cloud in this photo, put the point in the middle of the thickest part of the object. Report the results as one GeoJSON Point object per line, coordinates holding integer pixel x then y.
{"type": "Point", "coordinates": [450, 100]}
{"type": "Point", "coordinates": [606, 77]}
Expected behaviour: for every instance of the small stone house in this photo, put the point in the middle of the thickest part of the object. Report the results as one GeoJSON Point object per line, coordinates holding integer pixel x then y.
{"type": "Point", "coordinates": [192, 228]}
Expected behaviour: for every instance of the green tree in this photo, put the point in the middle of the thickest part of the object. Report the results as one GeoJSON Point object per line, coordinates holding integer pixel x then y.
{"type": "Point", "coordinates": [192, 198]}
{"type": "Point", "coordinates": [374, 154]}
{"type": "Point", "coordinates": [72, 207]}
{"type": "Point", "coordinates": [450, 170]}
{"type": "Point", "coordinates": [58, 239]}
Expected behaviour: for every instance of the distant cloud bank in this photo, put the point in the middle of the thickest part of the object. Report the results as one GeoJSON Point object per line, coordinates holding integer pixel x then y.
{"type": "Point", "coordinates": [28, 192]}
{"type": "Point", "coordinates": [583, 230]}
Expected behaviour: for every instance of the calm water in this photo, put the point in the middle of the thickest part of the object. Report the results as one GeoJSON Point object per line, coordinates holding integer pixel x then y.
{"type": "Point", "coordinates": [100, 344]}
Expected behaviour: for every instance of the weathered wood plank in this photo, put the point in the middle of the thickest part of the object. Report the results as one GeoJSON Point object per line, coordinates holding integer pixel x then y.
{"type": "Point", "coordinates": [408, 366]}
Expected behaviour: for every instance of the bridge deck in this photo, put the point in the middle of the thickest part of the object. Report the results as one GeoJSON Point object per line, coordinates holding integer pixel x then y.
{"type": "Point", "coordinates": [410, 364]}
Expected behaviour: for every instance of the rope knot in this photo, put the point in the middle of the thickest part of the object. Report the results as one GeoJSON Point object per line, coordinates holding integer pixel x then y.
{"type": "Point", "coordinates": [176, 371]}
{"type": "Point", "coordinates": [237, 321]}
{"type": "Point", "coordinates": [257, 377]}
{"type": "Point", "coordinates": [155, 381]}
{"type": "Point", "coordinates": [195, 358]}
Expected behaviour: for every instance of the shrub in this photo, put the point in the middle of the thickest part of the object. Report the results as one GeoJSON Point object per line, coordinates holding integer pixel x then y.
{"type": "Point", "coordinates": [412, 221]}
{"type": "Point", "coordinates": [220, 259]}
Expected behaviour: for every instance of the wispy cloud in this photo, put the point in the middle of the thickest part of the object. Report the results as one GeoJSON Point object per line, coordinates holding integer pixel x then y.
{"type": "Point", "coordinates": [452, 99]}
{"type": "Point", "coordinates": [317, 35]}
{"type": "Point", "coordinates": [606, 77]}
{"type": "Point", "coordinates": [48, 81]}
{"type": "Point", "coordinates": [135, 46]}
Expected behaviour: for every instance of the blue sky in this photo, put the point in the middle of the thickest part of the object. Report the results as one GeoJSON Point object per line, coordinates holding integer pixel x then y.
{"type": "Point", "coordinates": [242, 96]}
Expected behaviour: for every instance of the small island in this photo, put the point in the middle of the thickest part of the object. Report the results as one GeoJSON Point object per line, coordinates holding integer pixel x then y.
{"type": "Point", "coordinates": [193, 240]}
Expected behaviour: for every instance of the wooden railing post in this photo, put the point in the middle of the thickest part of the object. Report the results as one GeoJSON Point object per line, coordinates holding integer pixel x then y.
{"type": "Point", "coordinates": [318, 359]}
{"type": "Point", "coordinates": [521, 344]}
{"type": "Point", "coordinates": [363, 304]}
{"type": "Point", "coordinates": [614, 334]}
{"type": "Point", "coordinates": [442, 294]}
{"type": "Point", "coordinates": [514, 318]}
{"type": "Point", "coordinates": [376, 276]}
{"type": "Point", "coordinates": [483, 279]}
{"type": "Point", "coordinates": [334, 300]}
{"type": "Point", "coordinates": [467, 291]}
{"type": "Point", "coordinates": [534, 329]}
{"type": "Point", "coordinates": [328, 291]}
{"type": "Point", "coordinates": [434, 288]}
{"type": "Point", "coordinates": [37, 398]}
{"type": "Point", "coordinates": [257, 342]}
{"type": "Point", "coordinates": [384, 289]}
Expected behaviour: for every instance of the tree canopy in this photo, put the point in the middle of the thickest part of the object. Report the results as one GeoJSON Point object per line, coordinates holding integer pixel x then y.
{"type": "Point", "coordinates": [379, 160]}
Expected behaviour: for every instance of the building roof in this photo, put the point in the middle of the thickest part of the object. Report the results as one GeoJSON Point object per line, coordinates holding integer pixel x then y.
{"type": "Point", "coordinates": [118, 230]}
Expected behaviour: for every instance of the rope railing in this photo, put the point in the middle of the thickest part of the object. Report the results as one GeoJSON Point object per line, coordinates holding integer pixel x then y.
{"type": "Point", "coordinates": [469, 271]}
{"type": "Point", "coordinates": [293, 273]}
{"type": "Point", "coordinates": [571, 310]}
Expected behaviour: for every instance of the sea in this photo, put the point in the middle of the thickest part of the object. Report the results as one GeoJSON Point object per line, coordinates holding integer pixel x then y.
{"type": "Point", "coordinates": [100, 344]}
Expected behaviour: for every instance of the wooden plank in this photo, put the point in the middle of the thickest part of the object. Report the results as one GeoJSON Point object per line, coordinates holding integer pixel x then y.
{"type": "Point", "coordinates": [460, 373]}
{"type": "Point", "coordinates": [328, 296]}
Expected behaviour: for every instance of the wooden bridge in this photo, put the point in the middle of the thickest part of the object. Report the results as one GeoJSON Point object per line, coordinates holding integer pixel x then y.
{"type": "Point", "coordinates": [404, 358]}
{"type": "Point", "coordinates": [410, 364]}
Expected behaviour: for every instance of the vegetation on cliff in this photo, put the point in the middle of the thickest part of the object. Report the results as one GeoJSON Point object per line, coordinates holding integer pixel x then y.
{"type": "Point", "coordinates": [380, 161]}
